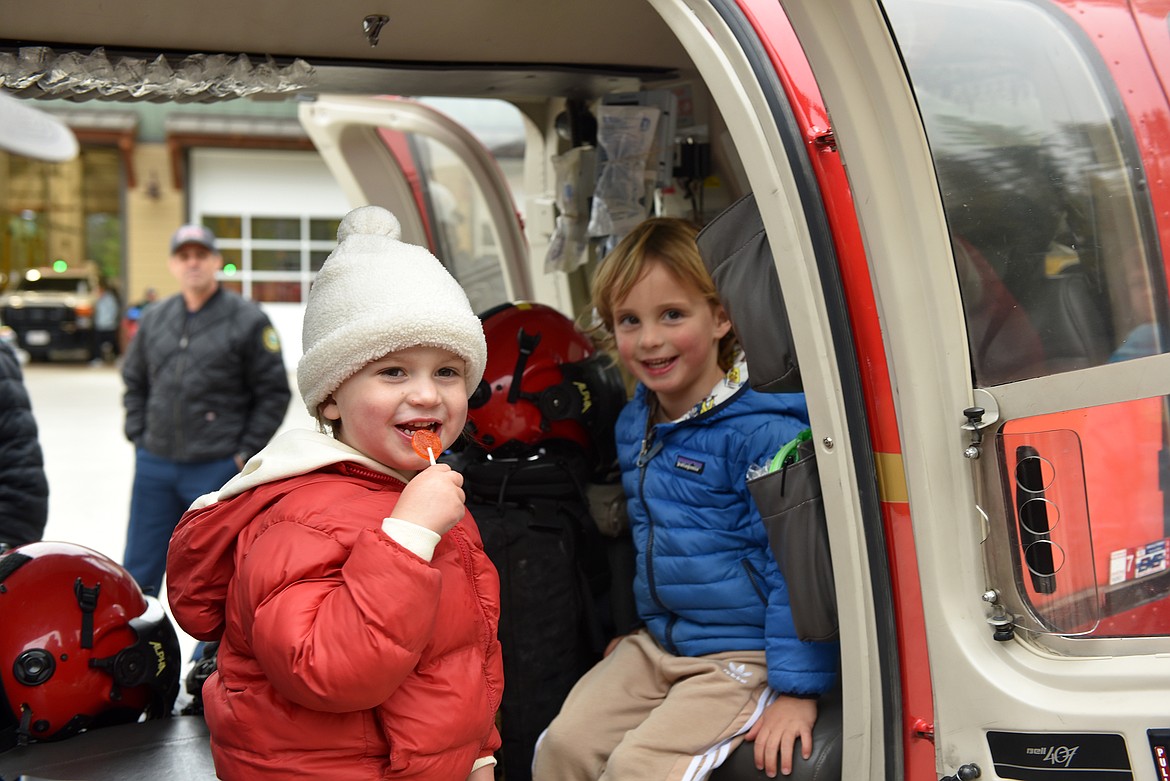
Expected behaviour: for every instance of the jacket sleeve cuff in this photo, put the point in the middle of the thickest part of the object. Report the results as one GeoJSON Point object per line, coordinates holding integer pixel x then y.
{"type": "Point", "coordinates": [417, 539]}
{"type": "Point", "coordinates": [483, 762]}
{"type": "Point", "coordinates": [801, 695]}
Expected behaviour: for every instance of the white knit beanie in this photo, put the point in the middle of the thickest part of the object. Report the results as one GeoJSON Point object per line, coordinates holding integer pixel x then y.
{"type": "Point", "coordinates": [374, 295]}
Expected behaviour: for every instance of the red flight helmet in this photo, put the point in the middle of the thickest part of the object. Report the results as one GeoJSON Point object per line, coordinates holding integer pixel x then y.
{"type": "Point", "coordinates": [544, 380]}
{"type": "Point", "coordinates": [81, 646]}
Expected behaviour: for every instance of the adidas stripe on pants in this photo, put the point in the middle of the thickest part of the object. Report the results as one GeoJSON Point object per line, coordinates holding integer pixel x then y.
{"type": "Point", "coordinates": [642, 713]}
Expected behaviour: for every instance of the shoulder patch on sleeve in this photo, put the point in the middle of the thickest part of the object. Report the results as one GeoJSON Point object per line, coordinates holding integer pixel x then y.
{"type": "Point", "coordinates": [271, 340]}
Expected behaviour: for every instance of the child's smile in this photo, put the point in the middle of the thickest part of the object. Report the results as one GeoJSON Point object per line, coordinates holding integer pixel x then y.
{"type": "Point", "coordinates": [660, 366]}
{"type": "Point", "coordinates": [382, 406]}
{"type": "Point", "coordinates": [409, 428]}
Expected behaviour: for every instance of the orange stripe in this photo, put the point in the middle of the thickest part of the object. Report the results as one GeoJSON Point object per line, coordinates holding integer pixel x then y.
{"type": "Point", "coordinates": [891, 477]}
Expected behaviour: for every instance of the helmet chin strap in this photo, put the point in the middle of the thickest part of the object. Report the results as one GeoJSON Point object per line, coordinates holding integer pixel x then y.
{"type": "Point", "coordinates": [87, 599]}
{"type": "Point", "coordinates": [527, 345]}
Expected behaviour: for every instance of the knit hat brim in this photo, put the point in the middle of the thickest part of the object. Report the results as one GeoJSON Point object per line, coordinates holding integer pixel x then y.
{"type": "Point", "coordinates": [376, 295]}
{"type": "Point", "coordinates": [344, 352]}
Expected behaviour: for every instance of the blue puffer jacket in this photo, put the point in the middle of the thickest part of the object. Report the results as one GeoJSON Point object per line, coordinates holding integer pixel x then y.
{"type": "Point", "coordinates": [706, 579]}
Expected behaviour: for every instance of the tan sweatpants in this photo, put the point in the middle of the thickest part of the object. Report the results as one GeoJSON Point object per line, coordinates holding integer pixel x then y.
{"type": "Point", "coordinates": [642, 714]}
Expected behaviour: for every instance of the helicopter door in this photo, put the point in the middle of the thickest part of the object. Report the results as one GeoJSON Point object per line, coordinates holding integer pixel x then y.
{"type": "Point", "coordinates": [445, 187]}
{"type": "Point", "coordinates": [1013, 243]}
{"type": "Point", "coordinates": [1007, 203]}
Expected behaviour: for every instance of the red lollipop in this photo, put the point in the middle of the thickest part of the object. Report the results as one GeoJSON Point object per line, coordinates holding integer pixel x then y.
{"type": "Point", "coordinates": [426, 443]}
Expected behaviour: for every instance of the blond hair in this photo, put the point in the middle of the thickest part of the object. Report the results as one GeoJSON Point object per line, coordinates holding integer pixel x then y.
{"type": "Point", "coordinates": [669, 242]}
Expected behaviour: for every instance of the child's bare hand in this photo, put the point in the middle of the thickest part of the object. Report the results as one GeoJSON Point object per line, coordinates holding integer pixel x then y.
{"type": "Point", "coordinates": [433, 499]}
{"type": "Point", "coordinates": [785, 720]}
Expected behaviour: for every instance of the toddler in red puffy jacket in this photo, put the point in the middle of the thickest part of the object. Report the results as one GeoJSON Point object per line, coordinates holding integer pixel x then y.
{"type": "Point", "coordinates": [348, 586]}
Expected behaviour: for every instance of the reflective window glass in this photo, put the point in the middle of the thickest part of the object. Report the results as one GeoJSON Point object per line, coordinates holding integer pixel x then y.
{"type": "Point", "coordinates": [224, 226]}
{"type": "Point", "coordinates": [461, 224]}
{"type": "Point", "coordinates": [323, 230]}
{"type": "Point", "coordinates": [103, 242]}
{"type": "Point", "coordinates": [25, 247]}
{"type": "Point", "coordinates": [1040, 182]}
{"type": "Point", "coordinates": [276, 290]}
{"type": "Point", "coordinates": [233, 260]}
{"type": "Point", "coordinates": [276, 260]}
{"type": "Point", "coordinates": [287, 228]}
{"type": "Point", "coordinates": [1090, 527]}
{"type": "Point", "coordinates": [102, 209]}
{"type": "Point", "coordinates": [69, 211]}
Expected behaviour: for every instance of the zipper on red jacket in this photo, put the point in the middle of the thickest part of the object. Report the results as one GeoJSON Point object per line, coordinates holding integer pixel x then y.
{"type": "Point", "coordinates": [465, 558]}
{"type": "Point", "coordinates": [486, 635]}
{"type": "Point", "coordinates": [357, 470]}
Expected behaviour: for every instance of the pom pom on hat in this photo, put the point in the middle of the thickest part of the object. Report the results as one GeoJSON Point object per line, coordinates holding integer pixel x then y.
{"type": "Point", "coordinates": [376, 294]}
{"type": "Point", "coordinates": [373, 220]}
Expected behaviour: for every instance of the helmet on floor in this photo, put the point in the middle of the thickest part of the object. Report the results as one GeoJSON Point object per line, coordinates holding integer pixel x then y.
{"type": "Point", "coordinates": [82, 647]}
{"type": "Point", "coordinates": [544, 381]}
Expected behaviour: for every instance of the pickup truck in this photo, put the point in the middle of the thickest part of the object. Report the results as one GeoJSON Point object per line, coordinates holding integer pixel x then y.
{"type": "Point", "coordinates": [51, 311]}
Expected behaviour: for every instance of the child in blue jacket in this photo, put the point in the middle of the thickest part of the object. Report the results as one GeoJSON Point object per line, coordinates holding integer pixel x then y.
{"type": "Point", "coordinates": [718, 660]}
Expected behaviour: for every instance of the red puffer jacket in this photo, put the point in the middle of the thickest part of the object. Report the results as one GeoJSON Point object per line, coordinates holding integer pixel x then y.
{"type": "Point", "coordinates": [343, 654]}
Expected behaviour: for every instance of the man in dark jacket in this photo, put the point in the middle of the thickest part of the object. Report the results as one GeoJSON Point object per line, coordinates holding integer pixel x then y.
{"type": "Point", "coordinates": [24, 491]}
{"type": "Point", "coordinates": [206, 388]}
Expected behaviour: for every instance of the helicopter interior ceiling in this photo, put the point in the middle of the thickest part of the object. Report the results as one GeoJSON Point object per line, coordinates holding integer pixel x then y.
{"type": "Point", "coordinates": [469, 48]}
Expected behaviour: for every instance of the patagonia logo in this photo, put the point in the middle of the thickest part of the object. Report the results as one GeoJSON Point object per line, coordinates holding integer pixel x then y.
{"type": "Point", "coordinates": [689, 465]}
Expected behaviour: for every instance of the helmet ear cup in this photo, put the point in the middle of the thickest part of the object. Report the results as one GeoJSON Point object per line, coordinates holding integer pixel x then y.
{"type": "Point", "coordinates": [603, 394]}
{"type": "Point", "coordinates": [33, 667]}
{"type": "Point", "coordinates": [560, 402]}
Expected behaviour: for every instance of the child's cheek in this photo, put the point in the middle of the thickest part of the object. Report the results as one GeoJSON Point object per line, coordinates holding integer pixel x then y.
{"type": "Point", "coordinates": [625, 349]}
{"type": "Point", "coordinates": [455, 426]}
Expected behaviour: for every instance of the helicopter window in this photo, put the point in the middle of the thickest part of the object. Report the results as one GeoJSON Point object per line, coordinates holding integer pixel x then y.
{"type": "Point", "coordinates": [1112, 580]}
{"type": "Point", "coordinates": [1038, 172]}
{"type": "Point", "coordinates": [461, 226]}
{"type": "Point", "coordinates": [1059, 270]}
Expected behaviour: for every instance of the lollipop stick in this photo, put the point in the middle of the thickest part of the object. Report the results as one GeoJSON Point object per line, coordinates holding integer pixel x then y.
{"type": "Point", "coordinates": [431, 455]}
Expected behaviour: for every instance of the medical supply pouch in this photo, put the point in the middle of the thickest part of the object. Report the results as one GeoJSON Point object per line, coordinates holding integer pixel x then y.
{"type": "Point", "coordinates": [790, 501]}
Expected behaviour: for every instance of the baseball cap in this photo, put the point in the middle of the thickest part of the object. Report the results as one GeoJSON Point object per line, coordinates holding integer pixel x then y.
{"type": "Point", "coordinates": [193, 234]}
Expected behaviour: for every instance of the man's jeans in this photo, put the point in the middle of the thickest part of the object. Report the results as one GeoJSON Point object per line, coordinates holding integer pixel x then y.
{"type": "Point", "coordinates": [163, 490]}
